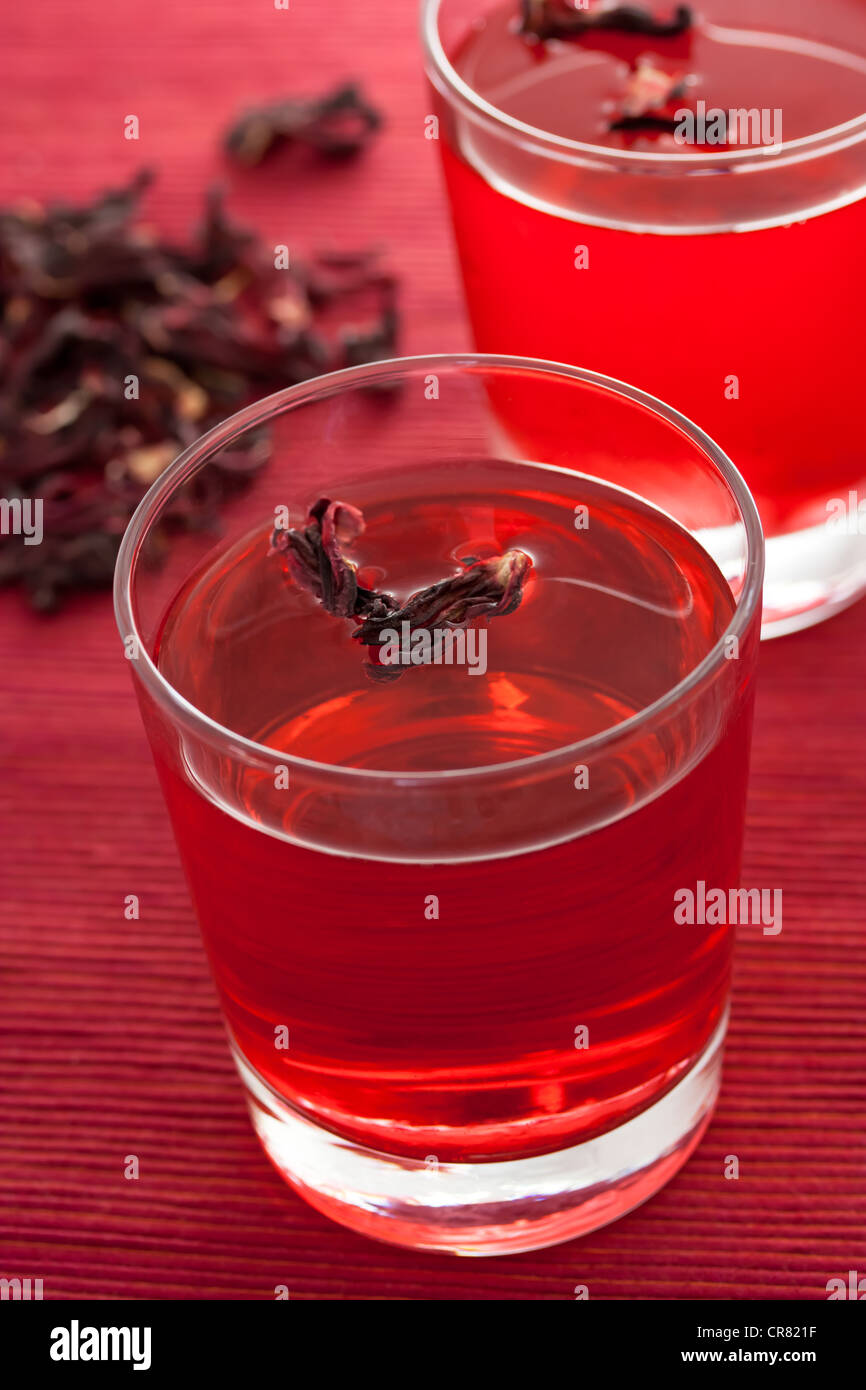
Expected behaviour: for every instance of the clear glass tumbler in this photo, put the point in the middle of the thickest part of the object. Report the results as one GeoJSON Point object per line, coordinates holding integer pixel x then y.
{"type": "Point", "coordinates": [728, 279]}
{"type": "Point", "coordinates": [440, 908]}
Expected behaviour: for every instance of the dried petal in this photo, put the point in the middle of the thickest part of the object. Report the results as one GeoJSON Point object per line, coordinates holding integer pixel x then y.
{"type": "Point", "coordinates": [487, 588]}
{"type": "Point", "coordinates": [559, 19]}
{"type": "Point", "coordinates": [339, 123]}
{"type": "Point", "coordinates": [648, 88]}
{"type": "Point", "coordinates": [313, 558]}
{"type": "Point", "coordinates": [146, 464]}
{"type": "Point", "coordinates": [60, 415]}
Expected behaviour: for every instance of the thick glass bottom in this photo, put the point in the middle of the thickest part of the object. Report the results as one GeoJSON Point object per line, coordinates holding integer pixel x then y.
{"type": "Point", "coordinates": [494, 1208]}
{"type": "Point", "coordinates": [810, 575]}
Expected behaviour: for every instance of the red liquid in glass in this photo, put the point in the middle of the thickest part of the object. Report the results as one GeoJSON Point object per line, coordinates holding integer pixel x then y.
{"type": "Point", "coordinates": [455, 1036]}
{"type": "Point", "coordinates": [780, 309]}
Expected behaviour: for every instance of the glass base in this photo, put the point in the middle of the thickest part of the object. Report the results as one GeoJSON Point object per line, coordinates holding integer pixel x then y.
{"type": "Point", "coordinates": [498, 1208]}
{"type": "Point", "coordinates": [810, 575]}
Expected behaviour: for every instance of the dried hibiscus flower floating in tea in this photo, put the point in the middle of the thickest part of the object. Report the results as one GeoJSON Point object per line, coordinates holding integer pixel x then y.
{"type": "Point", "coordinates": [118, 349]}
{"type": "Point", "coordinates": [651, 96]}
{"type": "Point", "coordinates": [564, 19]}
{"type": "Point", "coordinates": [397, 635]}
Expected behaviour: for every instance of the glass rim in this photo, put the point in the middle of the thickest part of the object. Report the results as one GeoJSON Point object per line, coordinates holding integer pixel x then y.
{"type": "Point", "coordinates": [332, 383]}
{"type": "Point", "coordinates": [459, 92]}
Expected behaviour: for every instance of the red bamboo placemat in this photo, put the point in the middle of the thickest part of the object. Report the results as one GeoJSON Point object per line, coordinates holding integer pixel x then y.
{"type": "Point", "coordinates": [110, 1041]}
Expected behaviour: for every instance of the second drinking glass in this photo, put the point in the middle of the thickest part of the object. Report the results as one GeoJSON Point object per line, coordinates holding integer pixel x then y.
{"type": "Point", "coordinates": [715, 260]}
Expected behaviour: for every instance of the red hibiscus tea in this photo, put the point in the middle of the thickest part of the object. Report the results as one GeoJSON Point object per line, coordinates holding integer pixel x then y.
{"type": "Point", "coordinates": [438, 897]}
{"type": "Point", "coordinates": [714, 260]}
{"type": "Point", "coordinates": [454, 1029]}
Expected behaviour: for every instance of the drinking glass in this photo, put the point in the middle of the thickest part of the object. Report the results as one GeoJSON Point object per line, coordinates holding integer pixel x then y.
{"type": "Point", "coordinates": [727, 279]}
{"type": "Point", "coordinates": [440, 909]}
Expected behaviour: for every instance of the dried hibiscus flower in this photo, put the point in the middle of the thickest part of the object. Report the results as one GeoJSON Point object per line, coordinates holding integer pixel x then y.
{"type": "Point", "coordinates": [312, 557]}
{"type": "Point", "coordinates": [340, 123]}
{"type": "Point", "coordinates": [561, 19]}
{"type": "Point", "coordinates": [118, 349]}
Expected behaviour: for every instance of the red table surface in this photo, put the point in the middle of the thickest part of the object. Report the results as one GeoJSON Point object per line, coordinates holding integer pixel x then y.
{"type": "Point", "coordinates": [110, 1040]}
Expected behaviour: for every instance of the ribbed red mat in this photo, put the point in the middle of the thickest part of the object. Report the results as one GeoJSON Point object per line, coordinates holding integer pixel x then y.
{"type": "Point", "coordinates": [110, 1042]}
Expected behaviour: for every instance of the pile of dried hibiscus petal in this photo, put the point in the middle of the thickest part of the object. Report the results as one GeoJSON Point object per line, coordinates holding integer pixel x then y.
{"type": "Point", "coordinates": [117, 349]}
